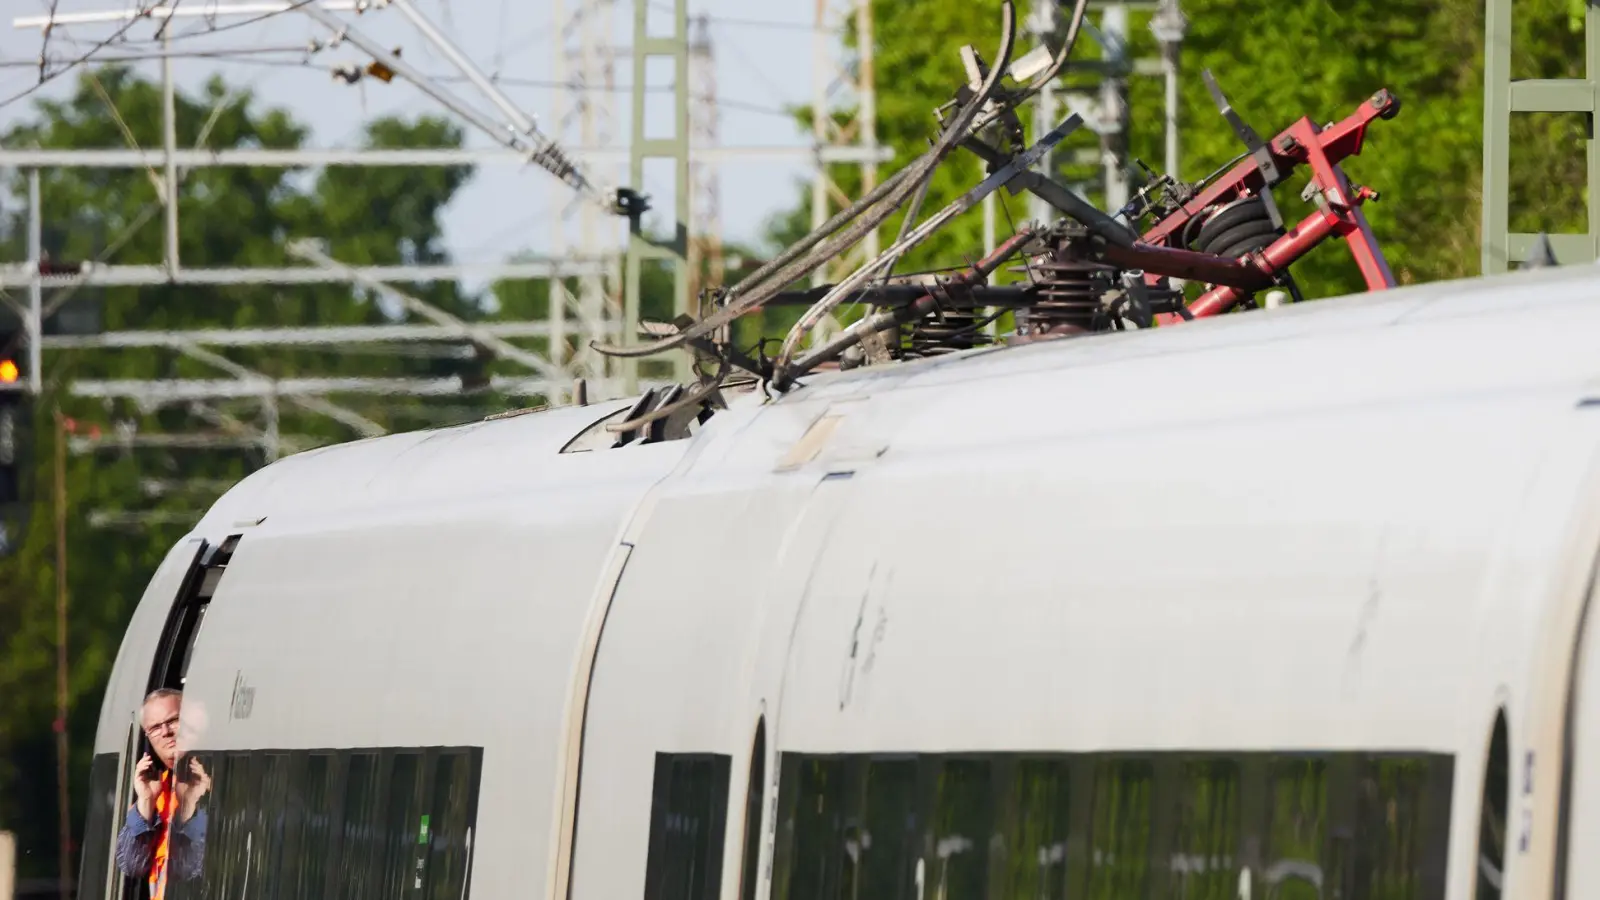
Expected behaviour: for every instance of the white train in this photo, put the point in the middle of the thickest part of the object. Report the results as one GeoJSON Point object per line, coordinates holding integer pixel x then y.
{"type": "Point", "coordinates": [1288, 604]}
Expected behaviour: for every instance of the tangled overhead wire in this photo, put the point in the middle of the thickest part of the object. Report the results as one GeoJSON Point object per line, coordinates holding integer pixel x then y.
{"type": "Point", "coordinates": [1087, 271]}
{"type": "Point", "coordinates": [835, 236]}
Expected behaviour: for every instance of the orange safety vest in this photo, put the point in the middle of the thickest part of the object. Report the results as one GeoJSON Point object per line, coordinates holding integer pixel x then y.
{"type": "Point", "coordinates": [166, 804]}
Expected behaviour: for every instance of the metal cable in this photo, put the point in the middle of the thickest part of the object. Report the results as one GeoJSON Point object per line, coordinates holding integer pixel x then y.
{"type": "Point", "coordinates": [780, 272]}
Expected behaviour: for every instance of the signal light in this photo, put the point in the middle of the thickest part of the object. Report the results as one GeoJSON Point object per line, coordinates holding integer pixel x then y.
{"type": "Point", "coordinates": [9, 373]}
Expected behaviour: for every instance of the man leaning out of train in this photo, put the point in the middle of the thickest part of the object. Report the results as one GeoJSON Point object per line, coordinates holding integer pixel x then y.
{"type": "Point", "coordinates": [165, 830]}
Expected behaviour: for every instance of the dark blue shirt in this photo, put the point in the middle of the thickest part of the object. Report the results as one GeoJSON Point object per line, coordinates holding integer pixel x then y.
{"type": "Point", "coordinates": [186, 848]}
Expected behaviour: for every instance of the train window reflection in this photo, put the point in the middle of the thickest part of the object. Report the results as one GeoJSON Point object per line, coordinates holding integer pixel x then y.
{"type": "Point", "coordinates": [1033, 830]}
{"type": "Point", "coordinates": [754, 787]}
{"type": "Point", "coordinates": [308, 825]}
{"type": "Point", "coordinates": [1297, 831]}
{"type": "Point", "coordinates": [1492, 817]}
{"type": "Point", "coordinates": [892, 831]}
{"type": "Point", "coordinates": [813, 819]}
{"type": "Point", "coordinates": [449, 834]}
{"type": "Point", "coordinates": [100, 825]}
{"type": "Point", "coordinates": [1206, 822]}
{"type": "Point", "coordinates": [963, 825]}
{"type": "Point", "coordinates": [403, 822]}
{"type": "Point", "coordinates": [1119, 861]}
{"type": "Point", "coordinates": [688, 817]}
{"type": "Point", "coordinates": [1404, 823]}
{"type": "Point", "coordinates": [313, 800]}
{"type": "Point", "coordinates": [358, 840]}
{"type": "Point", "coordinates": [1029, 825]}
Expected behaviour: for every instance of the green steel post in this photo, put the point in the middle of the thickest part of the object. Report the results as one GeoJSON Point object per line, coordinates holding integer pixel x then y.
{"type": "Point", "coordinates": [1496, 223]}
{"type": "Point", "coordinates": [1501, 98]}
{"type": "Point", "coordinates": [675, 148]}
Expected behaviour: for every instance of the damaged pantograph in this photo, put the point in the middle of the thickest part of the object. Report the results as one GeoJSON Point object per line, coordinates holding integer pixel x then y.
{"type": "Point", "coordinates": [1087, 271]}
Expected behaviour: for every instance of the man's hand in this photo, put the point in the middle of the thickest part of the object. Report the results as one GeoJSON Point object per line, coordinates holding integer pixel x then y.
{"type": "Point", "coordinates": [190, 790]}
{"type": "Point", "coordinates": [146, 781]}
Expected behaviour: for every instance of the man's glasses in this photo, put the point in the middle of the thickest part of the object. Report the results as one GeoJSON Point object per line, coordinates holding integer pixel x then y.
{"type": "Point", "coordinates": [167, 726]}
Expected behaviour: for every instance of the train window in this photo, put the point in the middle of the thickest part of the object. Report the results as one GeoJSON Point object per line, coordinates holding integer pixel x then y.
{"type": "Point", "coordinates": [688, 816]}
{"type": "Point", "coordinates": [270, 776]}
{"type": "Point", "coordinates": [1492, 817]}
{"type": "Point", "coordinates": [891, 842]}
{"type": "Point", "coordinates": [1119, 863]}
{"type": "Point", "coordinates": [963, 822]}
{"type": "Point", "coordinates": [402, 824]}
{"type": "Point", "coordinates": [100, 825]}
{"type": "Point", "coordinates": [449, 826]}
{"type": "Point", "coordinates": [1297, 827]}
{"type": "Point", "coordinates": [752, 814]}
{"type": "Point", "coordinates": [1033, 829]}
{"type": "Point", "coordinates": [227, 830]}
{"type": "Point", "coordinates": [810, 808]}
{"type": "Point", "coordinates": [314, 824]}
{"type": "Point", "coordinates": [178, 636]}
{"type": "Point", "coordinates": [1015, 825]}
{"type": "Point", "coordinates": [1206, 810]}
{"type": "Point", "coordinates": [1404, 823]}
{"type": "Point", "coordinates": [313, 808]}
{"type": "Point", "coordinates": [360, 850]}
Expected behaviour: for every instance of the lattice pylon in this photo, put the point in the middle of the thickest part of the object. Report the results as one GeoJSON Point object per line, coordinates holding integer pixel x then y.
{"type": "Point", "coordinates": [706, 263]}
{"type": "Point", "coordinates": [843, 82]}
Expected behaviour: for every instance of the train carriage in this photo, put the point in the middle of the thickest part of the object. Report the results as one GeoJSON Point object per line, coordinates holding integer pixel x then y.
{"type": "Point", "coordinates": [1286, 604]}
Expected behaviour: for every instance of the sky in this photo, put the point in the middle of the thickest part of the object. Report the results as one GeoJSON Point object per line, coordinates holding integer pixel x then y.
{"type": "Point", "coordinates": [763, 51]}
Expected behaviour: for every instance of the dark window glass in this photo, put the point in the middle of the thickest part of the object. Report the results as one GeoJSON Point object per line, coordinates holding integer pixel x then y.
{"type": "Point", "coordinates": [963, 821]}
{"type": "Point", "coordinates": [448, 829]}
{"type": "Point", "coordinates": [271, 775]}
{"type": "Point", "coordinates": [1120, 832]}
{"type": "Point", "coordinates": [1492, 815]}
{"type": "Point", "coordinates": [228, 825]}
{"type": "Point", "coordinates": [1206, 839]}
{"type": "Point", "coordinates": [1338, 826]}
{"type": "Point", "coordinates": [754, 788]}
{"type": "Point", "coordinates": [892, 832]}
{"type": "Point", "coordinates": [1033, 830]}
{"type": "Point", "coordinates": [402, 824]}
{"type": "Point", "coordinates": [314, 806]}
{"type": "Point", "coordinates": [814, 822]}
{"type": "Point", "coordinates": [1297, 829]}
{"type": "Point", "coordinates": [1404, 823]}
{"type": "Point", "coordinates": [687, 820]}
{"type": "Point", "coordinates": [360, 848]}
{"type": "Point", "coordinates": [100, 826]}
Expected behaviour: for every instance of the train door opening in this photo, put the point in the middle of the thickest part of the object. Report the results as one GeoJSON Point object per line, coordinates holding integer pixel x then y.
{"type": "Point", "coordinates": [1576, 869]}
{"type": "Point", "coordinates": [171, 664]}
{"type": "Point", "coordinates": [755, 789]}
{"type": "Point", "coordinates": [1492, 815]}
{"type": "Point", "coordinates": [169, 668]}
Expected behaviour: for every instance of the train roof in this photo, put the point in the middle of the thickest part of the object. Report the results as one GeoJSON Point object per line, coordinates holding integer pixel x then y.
{"type": "Point", "coordinates": [1535, 327]}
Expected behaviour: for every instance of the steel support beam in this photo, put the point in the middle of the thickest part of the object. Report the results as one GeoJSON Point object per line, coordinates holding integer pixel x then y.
{"type": "Point", "coordinates": [324, 335]}
{"type": "Point", "coordinates": [675, 249]}
{"type": "Point", "coordinates": [35, 323]}
{"type": "Point", "coordinates": [1502, 97]}
{"type": "Point", "coordinates": [506, 350]}
{"type": "Point", "coordinates": [183, 390]}
{"type": "Point", "coordinates": [142, 276]}
{"type": "Point", "coordinates": [348, 417]}
{"type": "Point", "coordinates": [118, 158]}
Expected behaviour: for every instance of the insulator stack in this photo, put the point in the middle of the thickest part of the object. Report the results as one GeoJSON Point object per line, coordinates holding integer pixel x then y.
{"type": "Point", "coordinates": [1069, 294]}
{"type": "Point", "coordinates": [944, 331]}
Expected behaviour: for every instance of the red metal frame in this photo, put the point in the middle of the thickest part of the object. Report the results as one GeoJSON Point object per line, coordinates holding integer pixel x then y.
{"type": "Point", "coordinates": [1338, 213]}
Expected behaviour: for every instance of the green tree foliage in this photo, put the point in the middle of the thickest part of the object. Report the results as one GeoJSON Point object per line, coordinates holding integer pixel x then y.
{"type": "Point", "coordinates": [228, 217]}
{"type": "Point", "coordinates": [1278, 62]}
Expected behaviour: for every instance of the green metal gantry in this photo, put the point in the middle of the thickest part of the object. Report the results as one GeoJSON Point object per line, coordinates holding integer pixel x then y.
{"type": "Point", "coordinates": [675, 248]}
{"type": "Point", "coordinates": [1501, 98]}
